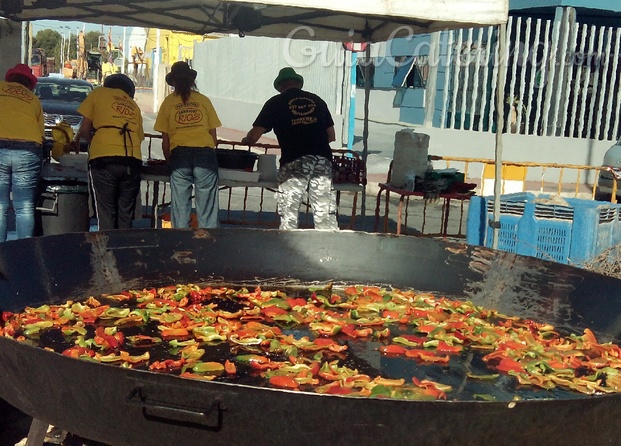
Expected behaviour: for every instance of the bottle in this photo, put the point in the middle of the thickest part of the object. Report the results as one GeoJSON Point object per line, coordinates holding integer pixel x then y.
{"type": "Point", "coordinates": [410, 180]}
{"type": "Point", "coordinates": [429, 164]}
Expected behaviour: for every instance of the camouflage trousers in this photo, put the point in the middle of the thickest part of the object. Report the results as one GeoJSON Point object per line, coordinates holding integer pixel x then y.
{"type": "Point", "coordinates": [312, 174]}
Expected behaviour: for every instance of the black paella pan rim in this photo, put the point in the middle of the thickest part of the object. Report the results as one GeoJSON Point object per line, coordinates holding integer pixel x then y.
{"type": "Point", "coordinates": [32, 274]}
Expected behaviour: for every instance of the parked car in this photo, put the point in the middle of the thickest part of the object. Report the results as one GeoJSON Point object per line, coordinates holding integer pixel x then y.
{"type": "Point", "coordinates": [612, 159]}
{"type": "Point", "coordinates": [60, 98]}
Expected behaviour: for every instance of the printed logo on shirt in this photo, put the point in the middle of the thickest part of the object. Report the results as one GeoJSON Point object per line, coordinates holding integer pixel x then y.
{"type": "Point", "coordinates": [18, 92]}
{"type": "Point", "coordinates": [123, 107]}
{"type": "Point", "coordinates": [302, 108]}
{"type": "Point", "coordinates": [188, 116]}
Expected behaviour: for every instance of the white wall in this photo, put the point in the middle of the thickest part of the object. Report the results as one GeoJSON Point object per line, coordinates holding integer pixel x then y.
{"type": "Point", "coordinates": [10, 44]}
{"type": "Point", "coordinates": [380, 107]}
{"type": "Point", "coordinates": [516, 147]}
{"type": "Point", "coordinates": [237, 74]}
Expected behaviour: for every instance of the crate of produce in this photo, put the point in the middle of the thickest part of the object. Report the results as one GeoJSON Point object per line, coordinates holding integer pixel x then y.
{"type": "Point", "coordinates": [565, 230]}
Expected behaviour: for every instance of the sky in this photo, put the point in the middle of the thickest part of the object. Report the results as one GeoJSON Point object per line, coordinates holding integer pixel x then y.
{"type": "Point", "coordinates": [75, 27]}
{"type": "Point", "coordinates": [138, 39]}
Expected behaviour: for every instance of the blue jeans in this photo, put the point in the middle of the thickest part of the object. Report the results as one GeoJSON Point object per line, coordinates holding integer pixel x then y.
{"type": "Point", "coordinates": [194, 167]}
{"type": "Point", "coordinates": [20, 171]}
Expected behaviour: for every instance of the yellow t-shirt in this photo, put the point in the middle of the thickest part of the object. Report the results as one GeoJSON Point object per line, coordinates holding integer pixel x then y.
{"type": "Point", "coordinates": [110, 109]}
{"type": "Point", "coordinates": [20, 113]}
{"type": "Point", "coordinates": [107, 69]}
{"type": "Point", "coordinates": [187, 124]}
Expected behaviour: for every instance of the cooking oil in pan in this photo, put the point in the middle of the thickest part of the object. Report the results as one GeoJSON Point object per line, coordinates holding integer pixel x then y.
{"type": "Point", "coordinates": [362, 354]}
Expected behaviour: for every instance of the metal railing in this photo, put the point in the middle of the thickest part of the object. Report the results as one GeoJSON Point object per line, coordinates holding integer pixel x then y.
{"type": "Point", "coordinates": [554, 178]}
{"type": "Point", "coordinates": [569, 180]}
{"type": "Point", "coordinates": [415, 213]}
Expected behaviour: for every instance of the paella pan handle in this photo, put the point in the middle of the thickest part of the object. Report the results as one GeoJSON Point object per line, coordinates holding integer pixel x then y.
{"type": "Point", "coordinates": [209, 418]}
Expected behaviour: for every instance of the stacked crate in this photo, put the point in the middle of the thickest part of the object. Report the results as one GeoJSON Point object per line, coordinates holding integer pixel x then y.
{"type": "Point", "coordinates": [567, 230]}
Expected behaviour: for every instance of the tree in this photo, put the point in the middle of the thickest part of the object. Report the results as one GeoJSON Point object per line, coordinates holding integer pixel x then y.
{"type": "Point", "coordinates": [49, 40]}
{"type": "Point", "coordinates": [91, 41]}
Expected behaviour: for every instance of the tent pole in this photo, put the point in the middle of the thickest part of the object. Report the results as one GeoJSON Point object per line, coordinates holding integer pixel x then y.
{"type": "Point", "coordinates": [500, 121]}
{"type": "Point", "coordinates": [365, 128]}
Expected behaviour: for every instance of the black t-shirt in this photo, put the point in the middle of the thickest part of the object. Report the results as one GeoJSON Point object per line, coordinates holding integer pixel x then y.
{"type": "Point", "coordinates": [300, 121]}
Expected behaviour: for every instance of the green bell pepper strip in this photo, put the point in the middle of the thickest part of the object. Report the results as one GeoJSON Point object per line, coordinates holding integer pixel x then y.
{"type": "Point", "coordinates": [380, 391]}
{"type": "Point", "coordinates": [491, 377]}
{"type": "Point", "coordinates": [209, 368]}
{"type": "Point", "coordinates": [484, 397]}
{"type": "Point", "coordinates": [115, 313]}
{"type": "Point", "coordinates": [177, 343]}
{"type": "Point", "coordinates": [31, 330]}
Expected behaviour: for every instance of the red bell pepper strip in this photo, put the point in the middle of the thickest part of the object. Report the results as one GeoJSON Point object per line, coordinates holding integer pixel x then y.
{"type": "Point", "coordinates": [272, 311]}
{"type": "Point", "coordinates": [167, 365]}
{"type": "Point", "coordinates": [392, 350]}
{"type": "Point", "coordinates": [351, 330]}
{"type": "Point", "coordinates": [296, 302]}
{"type": "Point", "coordinates": [443, 347]}
{"type": "Point", "coordinates": [338, 390]}
{"type": "Point", "coordinates": [427, 356]}
{"type": "Point", "coordinates": [430, 387]}
{"type": "Point", "coordinates": [351, 291]}
{"type": "Point", "coordinates": [175, 333]}
{"type": "Point", "coordinates": [77, 352]}
{"type": "Point", "coordinates": [229, 367]}
{"type": "Point", "coordinates": [391, 314]}
{"type": "Point", "coordinates": [285, 382]}
{"type": "Point", "coordinates": [426, 328]}
{"type": "Point", "coordinates": [509, 365]}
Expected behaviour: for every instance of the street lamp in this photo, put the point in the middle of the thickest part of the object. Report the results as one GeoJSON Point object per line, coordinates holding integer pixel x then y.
{"type": "Point", "coordinates": [62, 47]}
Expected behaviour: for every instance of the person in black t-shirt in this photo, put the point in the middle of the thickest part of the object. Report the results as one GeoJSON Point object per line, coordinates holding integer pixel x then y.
{"type": "Point", "coordinates": [304, 129]}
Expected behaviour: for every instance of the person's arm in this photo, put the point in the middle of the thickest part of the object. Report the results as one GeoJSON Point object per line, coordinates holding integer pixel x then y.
{"type": "Point", "coordinates": [214, 135]}
{"type": "Point", "coordinates": [166, 146]}
{"type": "Point", "coordinates": [84, 132]}
{"type": "Point", "coordinates": [331, 134]}
{"type": "Point", "coordinates": [253, 135]}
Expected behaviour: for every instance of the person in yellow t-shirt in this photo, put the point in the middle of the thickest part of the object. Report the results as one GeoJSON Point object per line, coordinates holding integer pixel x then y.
{"type": "Point", "coordinates": [188, 122]}
{"type": "Point", "coordinates": [112, 124]}
{"type": "Point", "coordinates": [107, 69]}
{"type": "Point", "coordinates": [21, 149]}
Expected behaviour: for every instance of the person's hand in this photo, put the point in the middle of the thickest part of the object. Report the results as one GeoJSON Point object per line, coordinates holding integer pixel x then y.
{"type": "Point", "coordinates": [74, 146]}
{"type": "Point", "coordinates": [244, 141]}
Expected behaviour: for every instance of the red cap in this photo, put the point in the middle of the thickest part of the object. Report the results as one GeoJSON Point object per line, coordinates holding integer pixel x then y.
{"type": "Point", "coordinates": [24, 70]}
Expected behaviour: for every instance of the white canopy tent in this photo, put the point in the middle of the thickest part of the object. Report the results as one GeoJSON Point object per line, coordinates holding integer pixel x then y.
{"type": "Point", "coordinates": [341, 21]}
{"type": "Point", "coordinates": [357, 20]}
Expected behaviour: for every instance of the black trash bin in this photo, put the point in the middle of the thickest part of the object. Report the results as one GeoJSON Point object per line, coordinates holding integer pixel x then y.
{"type": "Point", "coordinates": [62, 208]}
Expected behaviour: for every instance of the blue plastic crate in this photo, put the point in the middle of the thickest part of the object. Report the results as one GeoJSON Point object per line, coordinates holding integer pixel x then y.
{"type": "Point", "coordinates": [616, 230]}
{"type": "Point", "coordinates": [537, 226]}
